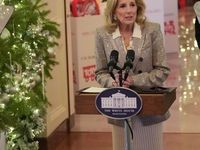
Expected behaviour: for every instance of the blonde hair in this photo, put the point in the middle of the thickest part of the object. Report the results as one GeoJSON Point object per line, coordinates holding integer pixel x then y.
{"type": "Point", "coordinates": [110, 9]}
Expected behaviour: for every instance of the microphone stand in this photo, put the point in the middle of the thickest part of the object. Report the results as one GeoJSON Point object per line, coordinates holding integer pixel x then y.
{"type": "Point", "coordinates": [120, 75]}
{"type": "Point", "coordinates": [127, 121]}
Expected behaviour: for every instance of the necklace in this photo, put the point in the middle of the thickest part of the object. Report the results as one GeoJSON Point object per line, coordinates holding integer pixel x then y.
{"type": "Point", "coordinates": [126, 44]}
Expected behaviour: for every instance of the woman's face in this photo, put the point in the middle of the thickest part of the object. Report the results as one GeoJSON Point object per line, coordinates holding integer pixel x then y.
{"type": "Point", "coordinates": [126, 12]}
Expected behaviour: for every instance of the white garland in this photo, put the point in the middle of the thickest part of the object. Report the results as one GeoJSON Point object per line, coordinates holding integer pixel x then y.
{"type": "Point", "coordinates": [32, 127]}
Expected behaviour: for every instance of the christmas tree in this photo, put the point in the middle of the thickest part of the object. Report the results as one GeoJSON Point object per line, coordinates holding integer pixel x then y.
{"type": "Point", "coordinates": [26, 58]}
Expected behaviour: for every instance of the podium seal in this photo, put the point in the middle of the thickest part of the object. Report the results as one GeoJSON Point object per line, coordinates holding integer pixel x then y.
{"type": "Point", "coordinates": [118, 103]}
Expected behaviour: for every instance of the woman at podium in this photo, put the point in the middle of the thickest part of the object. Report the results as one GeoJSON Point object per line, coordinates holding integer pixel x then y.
{"type": "Point", "coordinates": [127, 29]}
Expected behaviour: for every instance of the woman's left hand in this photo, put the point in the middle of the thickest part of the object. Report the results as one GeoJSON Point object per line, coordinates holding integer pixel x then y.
{"type": "Point", "coordinates": [127, 83]}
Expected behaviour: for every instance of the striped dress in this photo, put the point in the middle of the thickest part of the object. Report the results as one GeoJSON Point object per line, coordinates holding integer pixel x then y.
{"type": "Point", "coordinates": [144, 137]}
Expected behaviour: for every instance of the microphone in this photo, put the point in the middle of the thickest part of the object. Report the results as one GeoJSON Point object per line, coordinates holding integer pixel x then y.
{"type": "Point", "coordinates": [112, 63]}
{"type": "Point", "coordinates": [129, 62]}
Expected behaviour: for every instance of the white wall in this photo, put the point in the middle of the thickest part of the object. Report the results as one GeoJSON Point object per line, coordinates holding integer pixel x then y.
{"type": "Point", "coordinates": [171, 26]}
{"type": "Point", "coordinates": [155, 13]}
{"type": "Point", "coordinates": [2, 141]}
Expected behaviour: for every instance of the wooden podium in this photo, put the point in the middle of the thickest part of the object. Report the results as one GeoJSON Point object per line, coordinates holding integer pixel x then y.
{"type": "Point", "coordinates": [154, 103]}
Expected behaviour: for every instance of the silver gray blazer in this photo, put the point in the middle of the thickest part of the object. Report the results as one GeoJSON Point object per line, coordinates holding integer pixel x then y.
{"type": "Point", "coordinates": [149, 66]}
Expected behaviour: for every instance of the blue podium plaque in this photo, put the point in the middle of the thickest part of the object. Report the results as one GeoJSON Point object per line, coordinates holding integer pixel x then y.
{"type": "Point", "coordinates": [118, 103]}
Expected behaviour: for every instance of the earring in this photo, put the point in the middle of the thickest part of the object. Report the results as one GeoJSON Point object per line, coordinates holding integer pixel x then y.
{"type": "Point", "coordinates": [115, 18]}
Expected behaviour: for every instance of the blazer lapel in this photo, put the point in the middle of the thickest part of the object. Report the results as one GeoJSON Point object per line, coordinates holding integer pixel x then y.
{"type": "Point", "coordinates": [118, 45]}
{"type": "Point", "coordinates": [137, 47]}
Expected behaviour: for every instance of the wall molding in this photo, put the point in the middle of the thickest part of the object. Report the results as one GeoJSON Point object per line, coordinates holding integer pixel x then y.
{"type": "Point", "coordinates": [55, 138]}
{"type": "Point", "coordinates": [72, 121]}
{"type": "Point", "coordinates": [56, 112]}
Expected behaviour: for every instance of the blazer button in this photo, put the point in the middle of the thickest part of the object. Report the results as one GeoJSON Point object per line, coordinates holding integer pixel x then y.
{"type": "Point", "coordinates": [140, 71]}
{"type": "Point", "coordinates": [140, 59]}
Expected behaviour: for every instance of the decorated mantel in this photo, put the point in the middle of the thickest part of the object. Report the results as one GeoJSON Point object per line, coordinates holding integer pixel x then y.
{"type": "Point", "coordinates": [27, 52]}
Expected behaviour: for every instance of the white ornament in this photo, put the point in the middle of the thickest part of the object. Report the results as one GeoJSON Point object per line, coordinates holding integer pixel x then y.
{"type": "Point", "coordinates": [13, 90]}
{"type": "Point", "coordinates": [37, 78]}
{"type": "Point", "coordinates": [43, 63]}
{"type": "Point", "coordinates": [37, 66]}
{"type": "Point", "coordinates": [28, 68]}
{"type": "Point", "coordinates": [33, 55]}
{"type": "Point", "coordinates": [4, 98]}
{"type": "Point", "coordinates": [25, 75]}
{"type": "Point", "coordinates": [19, 78]}
{"type": "Point", "coordinates": [28, 86]}
{"type": "Point", "coordinates": [32, 84]}
{"type": "Point", "coordinates": [51, 52]}
{"type": "Point", "coordinates": [46, 33]}
{"type": "Point", "coordinates": [39, 70]}
{"type": "Point", "coordinates": [50, 39]}
{"type": "Point", "coordinates": [5, 33]}
{"type": "Point", "coordinates": [7, 90]}
{"type": "Point", "coordinates": [31, 79]}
